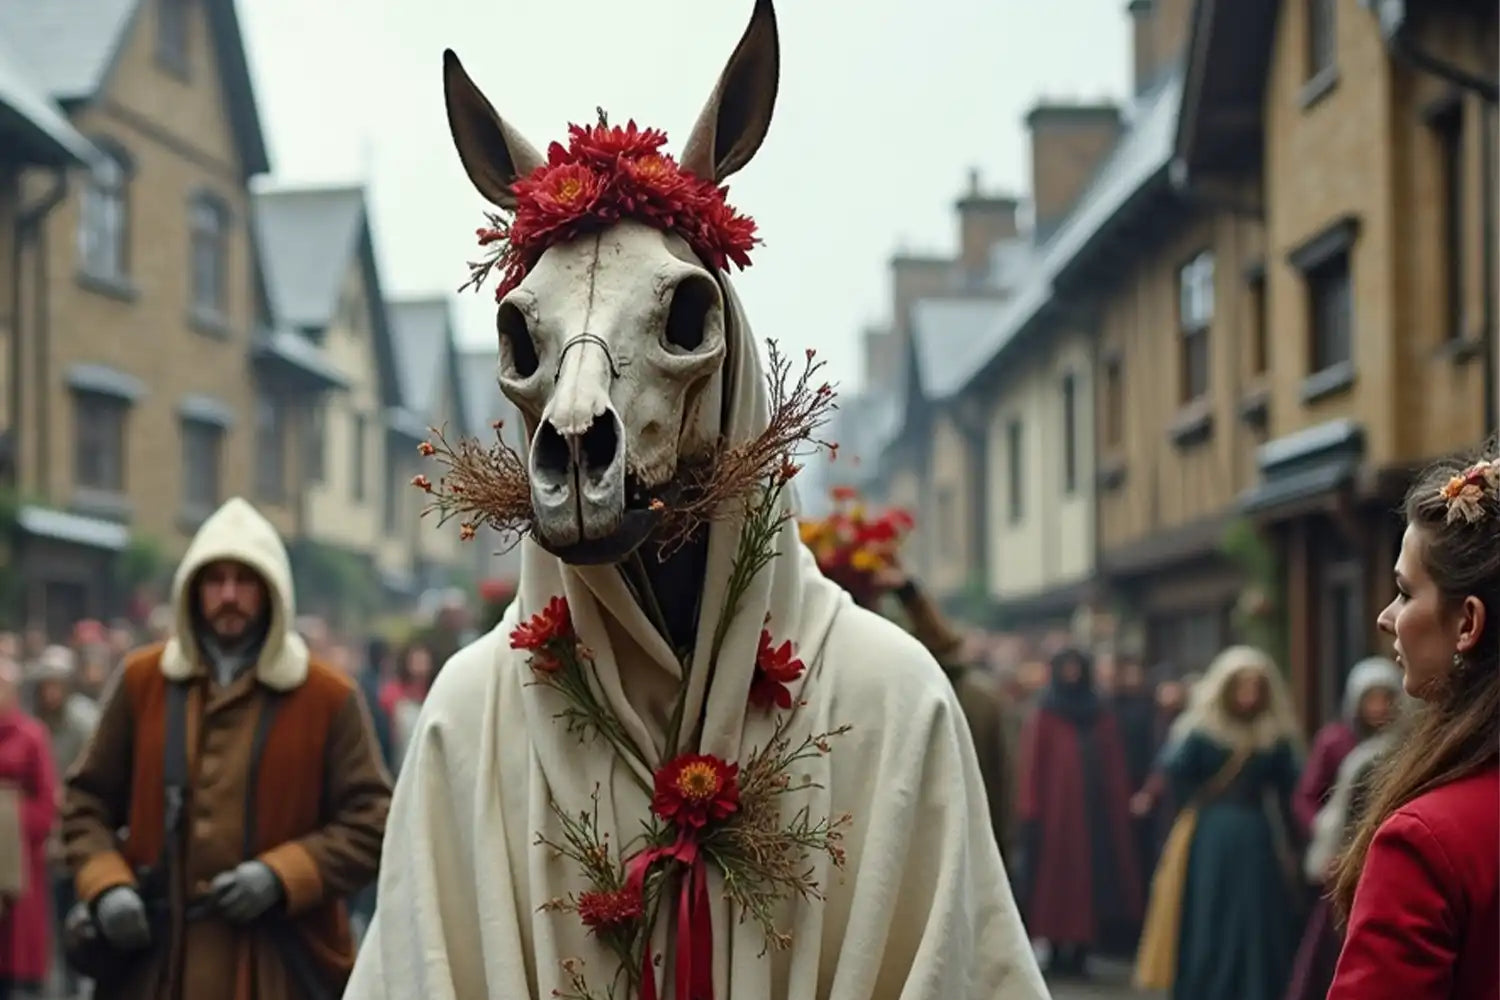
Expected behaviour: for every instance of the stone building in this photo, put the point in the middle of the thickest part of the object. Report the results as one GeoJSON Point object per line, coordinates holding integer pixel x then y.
{"type": "Point", "coordinates": [154, 387]}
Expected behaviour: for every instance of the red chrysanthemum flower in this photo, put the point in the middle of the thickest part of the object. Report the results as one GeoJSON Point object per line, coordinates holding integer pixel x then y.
{"type": "Point", "coordinates": [604, 911]}
{"type": "Point", "coordinates": [694, 789]}
{"type": "Point", "coordinates": [775, 668]}
{"type": "Point", "coordinates": [549, 625]}
{"type": "Point", "coordinates": [604, 174]}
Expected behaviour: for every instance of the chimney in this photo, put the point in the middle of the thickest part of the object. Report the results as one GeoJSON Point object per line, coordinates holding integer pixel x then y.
{"type": "Point", "coordinates": [1140, 34]}
{"type": "Point", "coordinates": [882, 359]}
{"type": "Point", "coordinates": [983, 221]}
{"type": "Point", "coordinates": [1159, 30]}
{"type": "Point", "coordinates": [1068, 142]}
{"type": "Point", "coordinates": [914, 278]}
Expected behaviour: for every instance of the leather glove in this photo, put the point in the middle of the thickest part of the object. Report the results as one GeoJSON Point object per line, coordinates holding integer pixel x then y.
{"type": "Point", "coordinates": [246, 891]}
{"type": "Point", "coordinates": [121, 916]}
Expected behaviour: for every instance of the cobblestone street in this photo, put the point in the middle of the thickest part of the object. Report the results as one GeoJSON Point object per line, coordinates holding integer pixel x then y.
{"type": "Point", "coordinates": [1108, 980]}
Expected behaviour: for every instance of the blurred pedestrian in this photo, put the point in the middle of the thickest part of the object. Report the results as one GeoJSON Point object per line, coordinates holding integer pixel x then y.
{"type": "Point", "coordinates": [1226, 892]}
{"type": "Point", "coordinates": [1078, 884]}
{"type": "Point", "coordinates": [28, 808]}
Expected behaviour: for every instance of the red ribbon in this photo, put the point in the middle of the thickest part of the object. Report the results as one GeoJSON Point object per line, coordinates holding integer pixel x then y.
{"type": "Point", "coordinates": [695, 934]}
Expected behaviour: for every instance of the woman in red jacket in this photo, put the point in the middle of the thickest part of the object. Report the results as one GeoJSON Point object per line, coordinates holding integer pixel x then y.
{"type": "Point", "coordinates": [1421, 881]}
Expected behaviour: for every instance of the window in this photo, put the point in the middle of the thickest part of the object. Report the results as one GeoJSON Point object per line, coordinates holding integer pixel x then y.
{"type": "Point", "coordinates": [1322, 37]}
{"type": "Point", "coordinates": [1070, 433]}
{"type": "Point", "coordinates": [104, 221]}
{"type": "Point", "coordinates": [1015, 469]}
{"type": "Point", "coordinates": [1449, 127]}
{"type": "Point", "coordinates": [316, 445]}
{"type": "Point", "coordinates": [1195, 314]}
{"type": "Point", "coordinates": [1260, 347]}
{"type": "Point", "coordinates": [947, 523]}
{"type": "Point", "coordinates": [270, 449]}
{"type": "Point", "coordinates": [1114, 401]}
{"type": "Point", "coordinates": [202, 466]}
{"type": "Point", "coordinates": [394, 492]}
{"type": "Point", "coordinates": [210, 255]}
{"type": "Point", "coordinates": [172, 34]}
{"type": "Point", "coordinates": [358, 471]}
{"type": "Point", "coordinates": [99, 442]}
{"type": "Point", "coordinates": [1331, 312]}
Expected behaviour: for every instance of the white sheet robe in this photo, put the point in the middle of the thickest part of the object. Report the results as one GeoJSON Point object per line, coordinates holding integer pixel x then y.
{"type": "Point", "coordinates": [923, 910]}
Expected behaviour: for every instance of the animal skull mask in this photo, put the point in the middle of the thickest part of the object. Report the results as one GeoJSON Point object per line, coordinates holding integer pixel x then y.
{"type": "Point", "coordinates": [612, 344]}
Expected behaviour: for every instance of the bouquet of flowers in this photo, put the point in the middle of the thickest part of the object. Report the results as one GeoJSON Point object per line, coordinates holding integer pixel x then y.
{"type": "Point", "coordinates": [852, 546]}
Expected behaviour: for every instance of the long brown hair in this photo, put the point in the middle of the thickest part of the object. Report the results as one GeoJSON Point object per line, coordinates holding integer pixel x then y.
{"type": "Point", "coordinates": [1457, 731]}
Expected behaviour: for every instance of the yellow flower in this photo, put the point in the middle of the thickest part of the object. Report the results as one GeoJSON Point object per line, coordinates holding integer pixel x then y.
{"type": "Point", "coordinates": [865, 560]}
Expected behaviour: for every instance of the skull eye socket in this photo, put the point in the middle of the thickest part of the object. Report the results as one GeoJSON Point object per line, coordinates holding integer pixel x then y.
{"type": "Point", "coordinates": [515, 340]}
{"type": "Point", "coordinates": [687, 319]}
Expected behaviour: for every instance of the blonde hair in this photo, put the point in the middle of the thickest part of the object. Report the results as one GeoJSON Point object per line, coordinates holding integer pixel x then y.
{"type": "Point", "coordinates": [1207, 710]}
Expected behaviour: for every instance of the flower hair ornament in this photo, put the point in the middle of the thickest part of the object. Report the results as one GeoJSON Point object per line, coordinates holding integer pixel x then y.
{"type": "Point", "coordinates": [1466, 492]}
{"type": "Point", "coordinates": [605, 174]}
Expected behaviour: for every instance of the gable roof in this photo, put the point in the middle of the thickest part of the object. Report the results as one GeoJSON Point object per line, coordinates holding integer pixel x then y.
{"type": "Point", "coordinates": [306, 239]}
{"type": "Point", "coordinates": [427, 359]}
{"type": "Point", "coordinates": [30, 123]}
{"type": "Point", "coordinates": [1229, 52]}
{"type": "Point", "coordinates": [941, 327]}
{"type": "Point", "coordinates": [308, 236]}
{"type": "Point", "coordinates": [74, 45]}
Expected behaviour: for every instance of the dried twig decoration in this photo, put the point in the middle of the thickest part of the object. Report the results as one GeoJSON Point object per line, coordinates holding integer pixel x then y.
{"type": "Point", "coordinates": [489, 486]}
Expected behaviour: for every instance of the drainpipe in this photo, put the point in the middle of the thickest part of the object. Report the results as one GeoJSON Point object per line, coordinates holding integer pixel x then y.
{"type": "Point", "coordinates": [30, 232]}
{"type": "Point", "coordinates": [1397, 29]}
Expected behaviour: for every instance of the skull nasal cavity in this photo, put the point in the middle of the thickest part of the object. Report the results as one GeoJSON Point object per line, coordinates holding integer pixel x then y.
{"type": "Point", "coordinates": [686, 320]}
{"type": "Point", "coordinates": [596, 448]}
{"type": "Point", "coordinates": [515, 340]}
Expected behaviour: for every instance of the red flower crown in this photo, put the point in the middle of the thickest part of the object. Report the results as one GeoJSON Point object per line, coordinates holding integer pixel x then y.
{"type": "Point", "coordinates": [604, 175]}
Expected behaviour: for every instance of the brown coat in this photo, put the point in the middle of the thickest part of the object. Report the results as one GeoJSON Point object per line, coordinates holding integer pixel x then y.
{"type": "Point", "coordinates": [983, 702]}
{"type": "Point", "coordinates": [321, 801]}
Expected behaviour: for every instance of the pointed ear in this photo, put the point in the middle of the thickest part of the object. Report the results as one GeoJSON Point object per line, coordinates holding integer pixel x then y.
{"type": "Point", "coordinates": [733, 124]}
{"type": "Point", "coordinates": [493, 153]}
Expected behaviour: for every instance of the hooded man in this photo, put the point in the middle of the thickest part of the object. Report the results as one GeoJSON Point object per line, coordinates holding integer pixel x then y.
{"type": "Point", "coordinates": [283, 807]}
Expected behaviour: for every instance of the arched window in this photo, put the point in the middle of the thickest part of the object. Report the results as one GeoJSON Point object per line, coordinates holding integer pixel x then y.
{"type": "Point", "coordinates": [210, 261]}
{"type": "Point", "coordinates": [104, 221]}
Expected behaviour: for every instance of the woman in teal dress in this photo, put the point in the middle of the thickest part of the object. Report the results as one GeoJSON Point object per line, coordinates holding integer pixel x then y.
{"type": "Point", "coordinates": [1236, 756]}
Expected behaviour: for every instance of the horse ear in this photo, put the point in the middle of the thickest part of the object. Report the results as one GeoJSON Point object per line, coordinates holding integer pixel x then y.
{"type": "Point", "coordinates": [733, 123]}
{"type": "Point", "coordinates": [494, 155]}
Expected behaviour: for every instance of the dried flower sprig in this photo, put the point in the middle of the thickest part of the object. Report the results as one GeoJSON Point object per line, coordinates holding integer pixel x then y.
{"type": "Point", "coordinates": [614, 910]}
{"type": "Point", "coordinates": [560, 662]}
{"type": "Point", "coordinates": [764, 856]}
{"type": "Point", "coordinates": [481, 487]}
{"type": "Point", "coordinates": [800, 408]}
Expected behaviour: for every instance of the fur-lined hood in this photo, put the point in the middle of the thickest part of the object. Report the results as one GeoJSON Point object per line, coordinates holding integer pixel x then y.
{"type": "Point", "coordinates": [237, 531]}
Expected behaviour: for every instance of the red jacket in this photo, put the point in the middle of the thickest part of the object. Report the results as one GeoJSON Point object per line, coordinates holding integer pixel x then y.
{"type": "Point", "coordinates": [1427, 913]}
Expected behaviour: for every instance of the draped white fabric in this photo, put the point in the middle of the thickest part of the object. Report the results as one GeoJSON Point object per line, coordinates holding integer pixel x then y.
{"type": "Point", "coordinates": [923, 910]}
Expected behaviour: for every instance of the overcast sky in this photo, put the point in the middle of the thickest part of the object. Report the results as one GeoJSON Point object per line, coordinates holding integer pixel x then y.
{"type": "Point", "coordinates": [884, 106]}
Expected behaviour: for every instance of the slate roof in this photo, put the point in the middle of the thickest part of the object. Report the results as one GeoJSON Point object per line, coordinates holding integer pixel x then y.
{"type": "Point", "coordinates": [483, 400]}
{"type": "Point", "coordinates": [307, 238]}
{"type": "Point", "coordinates": [427, 359]}
{"type": "Point", "coordinates": [942, 329]}
{"type": "Point", "coordinates": [30, 121]}
{"type": "Point", "coordinates": [73, 45]}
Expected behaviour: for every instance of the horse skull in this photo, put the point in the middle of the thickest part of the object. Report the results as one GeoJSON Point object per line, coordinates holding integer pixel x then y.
{"type": "Point", "coordinates": [609, 342]}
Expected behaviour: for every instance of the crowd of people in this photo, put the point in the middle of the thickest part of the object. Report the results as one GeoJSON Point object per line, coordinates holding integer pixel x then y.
{"type": "Point", "coordinates": [1177, 821]}
{"type": "Point", "coordinates": [1185, 826]}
